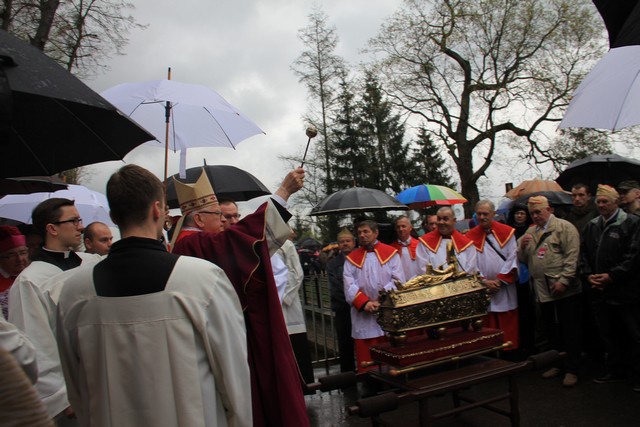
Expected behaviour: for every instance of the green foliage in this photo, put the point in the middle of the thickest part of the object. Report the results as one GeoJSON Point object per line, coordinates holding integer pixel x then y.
{"type": "Point", "coordinates": [575, 144]}
{"type": "Point", "coordinates": [428, 159]}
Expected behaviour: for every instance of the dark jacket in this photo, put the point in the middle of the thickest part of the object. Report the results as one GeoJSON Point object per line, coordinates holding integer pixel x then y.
{"type": "Point", "coordinates": [580, 217]}
{"type": "Point", "coordinates": [336, 286]}
{"type": "Point", "coordinates": [613, 248]}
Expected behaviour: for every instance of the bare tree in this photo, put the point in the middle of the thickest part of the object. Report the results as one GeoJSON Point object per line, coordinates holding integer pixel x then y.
{"type": "Point", "coordinates": [81, 35]}
{"type": "Point", "coordinates": [319, 68]}
{"type": "Point", "coordinates": [475, 69]}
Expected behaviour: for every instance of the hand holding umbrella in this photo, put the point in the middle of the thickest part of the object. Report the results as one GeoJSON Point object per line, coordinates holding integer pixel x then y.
{"type": "Point", "coordinates": [311, 133]}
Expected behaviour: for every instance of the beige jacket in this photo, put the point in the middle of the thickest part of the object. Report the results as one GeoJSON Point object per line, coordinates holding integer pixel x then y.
{"type": "Point", "coordinates": [552, 257]}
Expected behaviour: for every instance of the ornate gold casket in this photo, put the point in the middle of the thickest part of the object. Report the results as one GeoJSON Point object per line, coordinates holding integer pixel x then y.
{"type": "Point", "coordinates": [433, 300]}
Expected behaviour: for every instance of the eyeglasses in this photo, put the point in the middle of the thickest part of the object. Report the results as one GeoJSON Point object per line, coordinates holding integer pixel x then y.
{"type": "Point", "coordinates": [210, 212]}
{"type": "Point", "coordinates": [229, 217]}
{"type": "Point", "coordinates": [75, 221]}
{"type": "Point", "coordinates": [17, 254]}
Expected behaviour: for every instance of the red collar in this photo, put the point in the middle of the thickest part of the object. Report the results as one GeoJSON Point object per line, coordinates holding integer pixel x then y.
{"type": "Point", "coordinates": [433, 239]}
{"type": "Point", "coordinates": [382, 251]}
{"type": "Point", "coordinates": [413, 244]}
{"type": "Point", "coordinates": [501, 232]}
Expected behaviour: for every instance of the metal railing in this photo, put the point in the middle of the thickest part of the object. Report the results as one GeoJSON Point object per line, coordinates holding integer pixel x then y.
{"type": "Point", "coordinates": [314, 294]}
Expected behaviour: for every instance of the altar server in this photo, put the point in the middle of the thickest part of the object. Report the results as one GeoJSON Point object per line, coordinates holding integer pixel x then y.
{"type": "Point", "coordinates": [497, 262]}
{"type": "Point", "coordinates": [369, 269]}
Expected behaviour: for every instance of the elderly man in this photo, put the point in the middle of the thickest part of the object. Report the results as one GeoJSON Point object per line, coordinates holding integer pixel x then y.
{"type": "Point", "coordinates": [97, 238]}
{"type": "Point", "coordinates": [629, 196]}
{"type": "Point", "coordinates": [583, 209]}
{"type": "Point", "coordinates": [433, 247]}
{"type": "Point", "coordinates": [610, 262]}
{"type": "Point", "coordinates": [14, 257]}
{"type": "Point", "coordinates": [243, 252]}
{"type": "Point", "coordinates": [369, 269]}
{"type": "Point", "coordinates": [149, 338]}
{"type": "Point", "coordinates": [497, 262]}
{"type": "Point", "coordinates": [550, 249]}
{"type": "Point", "coordinates": [32, 301]}
{"type": "Point", "coordinates": [340, 307]}
{"type": "Point", "coordinates": [406, 247]}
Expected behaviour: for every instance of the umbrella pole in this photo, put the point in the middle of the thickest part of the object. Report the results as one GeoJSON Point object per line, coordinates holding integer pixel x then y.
{"type": "Point", "coordinates": [167, 117]}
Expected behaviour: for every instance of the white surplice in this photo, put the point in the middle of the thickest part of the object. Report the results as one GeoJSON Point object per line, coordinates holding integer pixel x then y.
{"type": "Point", "coordinates": [466, 258]}
{"type": "Point", "coordinates": [490, 264]}
{"type": "Point", "coordinates": [32, 310]}
{"type": "Point", "coordinates": [165, 359]}
{"type": "Point", "coordinates": [369, 279]}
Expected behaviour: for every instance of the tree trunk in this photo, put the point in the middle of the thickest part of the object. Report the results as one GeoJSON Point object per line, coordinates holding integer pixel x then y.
{"type": "Point", "coordinates": [469, 186]}
{"type": "Point", "coordinates": [47, 14]}
{"type": "Point", "coordinates": [6, 15]}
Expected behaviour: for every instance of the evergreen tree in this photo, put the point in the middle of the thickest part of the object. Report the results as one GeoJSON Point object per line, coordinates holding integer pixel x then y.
{"type": "Point", "coordinates": [390, 168]}
{"type": "Point", "coordinates": [427, 158]}
{"type": "Point", "coordinates": [350, 162]}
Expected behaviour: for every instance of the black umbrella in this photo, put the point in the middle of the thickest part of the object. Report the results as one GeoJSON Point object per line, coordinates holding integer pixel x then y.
{"type": "Point", "coordinates": [599, 169]}
{"type": "Point", "coordinates": [50, 121]}
{"type": "Point", "coordinates": [30, 184]}
{"type": "Point", "coordinates": [227, 181]}
{"type": "Point", "coordinates": [555, 198]}
{"type": "Point", "coordinates": [357, 199]}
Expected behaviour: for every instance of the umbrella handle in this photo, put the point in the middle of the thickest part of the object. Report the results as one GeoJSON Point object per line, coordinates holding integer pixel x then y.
{"type": "Point", "coordinates": [305, 153]}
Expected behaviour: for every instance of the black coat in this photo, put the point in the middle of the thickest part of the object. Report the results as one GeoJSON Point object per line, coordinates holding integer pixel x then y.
{"type": "Point", "coordinates": [614, 249]}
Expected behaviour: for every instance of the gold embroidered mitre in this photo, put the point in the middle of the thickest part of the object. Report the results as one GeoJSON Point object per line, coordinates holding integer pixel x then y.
{"type": "Point", "coordinates": [192, 197]}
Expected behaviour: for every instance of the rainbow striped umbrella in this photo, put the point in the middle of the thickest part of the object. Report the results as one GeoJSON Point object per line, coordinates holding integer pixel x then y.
{"type": "Point", "coordinates": [425, 195]}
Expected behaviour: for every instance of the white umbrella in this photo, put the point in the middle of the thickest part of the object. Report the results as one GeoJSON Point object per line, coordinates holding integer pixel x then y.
{"type": "Point", "coordinates": [91, 205]}
{"type": "Point", "coordinates": [609, 97]}
{"type": "Point", "coordinates": [183, 115]}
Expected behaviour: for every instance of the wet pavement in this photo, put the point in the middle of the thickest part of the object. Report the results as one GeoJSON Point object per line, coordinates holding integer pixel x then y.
{"type": "Point", "coordinates": [543, 402]}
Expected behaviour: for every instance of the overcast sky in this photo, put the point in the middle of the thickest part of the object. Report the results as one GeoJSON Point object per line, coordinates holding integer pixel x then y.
{"type": "Point", "coordinates": [242, 49]}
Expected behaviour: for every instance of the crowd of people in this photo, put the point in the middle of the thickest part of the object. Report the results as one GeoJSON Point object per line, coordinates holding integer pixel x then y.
{"type": "Point", "coordinates": [557, 279]}
{"type": "Point", "coordinates": [129, 333]}
{"type": "Point", "coordinates": [207, 328]}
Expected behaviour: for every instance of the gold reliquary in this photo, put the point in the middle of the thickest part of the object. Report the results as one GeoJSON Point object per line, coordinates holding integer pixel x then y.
{"type": "Point", "coordinates": [434, 300]}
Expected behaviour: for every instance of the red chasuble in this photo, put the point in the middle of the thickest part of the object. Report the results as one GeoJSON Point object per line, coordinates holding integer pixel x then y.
{"type": "Point", "coordinates": [243, 254]}
{"type": "Point", "coordinates": [413, 244]}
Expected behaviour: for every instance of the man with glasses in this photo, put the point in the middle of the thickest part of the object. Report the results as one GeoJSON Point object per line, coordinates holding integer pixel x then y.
{"type": "Point", "coordinates": [550, 248]}
{"type": "Point", "coordinates": [229, 210]}
{"type": "Point", "coordinates": [243, 252]}
{"type": "Point", "coordinates": [32, 301]}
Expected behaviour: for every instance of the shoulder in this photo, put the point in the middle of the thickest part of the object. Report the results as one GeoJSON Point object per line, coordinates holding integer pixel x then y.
{"type": "Point", "coordinates": [89, 257]}
{"type": "Point", "coordinates": [475, 234]}
{"type": "Point", "coordinates": [195, 266]}
{"type": "Point", "coordinates": [75, 285]}
{"type": "Point", "coordinates": [37, 272]}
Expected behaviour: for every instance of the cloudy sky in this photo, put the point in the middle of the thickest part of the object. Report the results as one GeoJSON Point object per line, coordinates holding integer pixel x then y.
{"type": "Point", "coordinates": [244, 50]}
